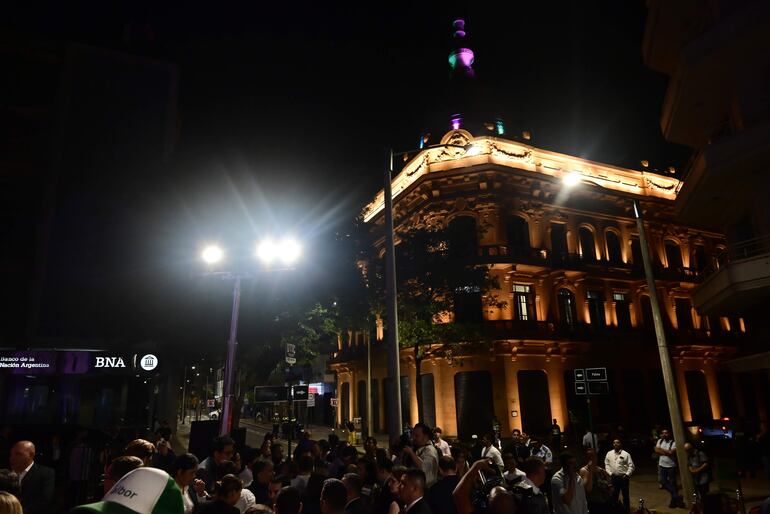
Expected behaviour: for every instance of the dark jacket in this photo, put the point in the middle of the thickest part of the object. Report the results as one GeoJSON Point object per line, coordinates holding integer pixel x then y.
{"type": "Point", "coordinates": [37, 489]}
{"type": "Point", "coordinates": [215, 507]}
{"type": "Point", "coordinates": [421, 507]}
{"type": "Point", "coordinates": [439, 497]}
{"type": "Point", "coordinates": [357, 506]}
{"type": "Point", "coordinates": [527, 502]}
{"type": "Point", "coordinates": [207, 471]}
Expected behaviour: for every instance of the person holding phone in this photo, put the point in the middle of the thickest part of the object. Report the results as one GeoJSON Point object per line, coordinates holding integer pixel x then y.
{"type": "Point", "coordinates": [567, 488]}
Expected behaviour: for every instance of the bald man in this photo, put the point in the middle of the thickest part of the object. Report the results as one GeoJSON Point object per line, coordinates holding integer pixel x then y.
{"type": "Point", "coordinates": [37, 482]}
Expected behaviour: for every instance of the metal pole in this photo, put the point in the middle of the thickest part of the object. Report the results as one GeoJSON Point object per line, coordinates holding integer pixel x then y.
{"type": "Point", "coordinates": [394, 371]}
{"type": "Point", "coordinates": [591, 424]}
{"type": "Point", "coordinates": [226, 418]}
{"type": "Point", "coordinates": [672, 397]}
{"type": "Point", "coordinates": [369, 386]}
{"type": "Point", "coordinates": [184, 392]}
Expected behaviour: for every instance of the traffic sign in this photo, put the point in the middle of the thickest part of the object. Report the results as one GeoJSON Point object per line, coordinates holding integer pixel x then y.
{"type": "Point", "coordinates": [580, 388]}
{"type": "Point", "coordinates": [311, 400]}
{"type": "Point", "coordinates": [333, 401]}
{"type": "Point", "coordinates": [291, 353]}
{"type": "Point", "coordinates": [300, 393]}
{"type": "Point", "coordinates": [598, 388]}
{"type": "Point", "coordinates": [596, 374]}
{"type": "Point", "coordinates": [580, 375]}
{"type": "Point", "coordinates": [211, 404]}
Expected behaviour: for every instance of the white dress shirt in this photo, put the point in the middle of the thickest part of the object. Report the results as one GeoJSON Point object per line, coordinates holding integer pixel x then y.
{"type": "Point", "coordinates": [246, 501]}
{"type": "Point", "coordinates": [619, 463]}
{"type": "Point", "coordinates": [26, 470]}
{"type": "Point", "coordinates": [412, 504]}
{"type": "Point", "coordinates": [490, 452]}
{"type": "Point", "coordinates": [443, 447]}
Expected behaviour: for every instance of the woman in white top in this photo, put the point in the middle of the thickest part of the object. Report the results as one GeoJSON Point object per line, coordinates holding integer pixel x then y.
{"type": "Point", "coordinates": [183, 470]}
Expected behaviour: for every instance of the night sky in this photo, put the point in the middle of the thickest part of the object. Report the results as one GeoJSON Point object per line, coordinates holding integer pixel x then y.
{"type": "Point", "coordinates": [284, 110]}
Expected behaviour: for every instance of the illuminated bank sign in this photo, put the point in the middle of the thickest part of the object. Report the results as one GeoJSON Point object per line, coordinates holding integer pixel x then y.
{"type": "Point", "coordinates": [74, 362]}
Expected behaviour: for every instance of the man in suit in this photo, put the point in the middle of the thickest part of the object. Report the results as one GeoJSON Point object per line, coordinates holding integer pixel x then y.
{"type": "Point", "coordinates": [412, 492]}
{"type": "Point", "coordinates": [37, 482]}
{"type": "Point", "coordinates": [355, 504]}
{"type": "Point", "coordinates": [439, 497]}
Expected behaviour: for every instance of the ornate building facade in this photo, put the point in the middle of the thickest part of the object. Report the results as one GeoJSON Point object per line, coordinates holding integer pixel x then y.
{"type": "Point", "coordinates": [568, 265]}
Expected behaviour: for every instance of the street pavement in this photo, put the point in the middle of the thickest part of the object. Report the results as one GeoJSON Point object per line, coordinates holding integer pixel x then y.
{"type": "Point", "coordinates": [644, 483]}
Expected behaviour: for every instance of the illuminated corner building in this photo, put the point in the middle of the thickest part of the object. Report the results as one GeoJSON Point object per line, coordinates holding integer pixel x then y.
{"type": "Point", "coordinates": [569, 267]}
{"type": "Point", "coordinates": [717, 103]}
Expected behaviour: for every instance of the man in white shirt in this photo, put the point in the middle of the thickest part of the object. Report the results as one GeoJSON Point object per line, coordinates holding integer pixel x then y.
{"type": "Point", "coordinates": [666, 448]}
{"type": "Point", "coordinates": [620, 466]}
{"type": "Point", "coordinates": [426, 455]}
{"type": "Point", "coordinates": [442, 445]}
{"type": "Point", "coordinates": [489, 451]}
{"type": "Point", "coordinates": [567, 489]}
{"type": "Point", "coordinates": [590, 440]}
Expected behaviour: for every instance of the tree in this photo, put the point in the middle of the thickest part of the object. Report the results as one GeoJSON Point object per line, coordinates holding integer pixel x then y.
{"type": "Point", "coordinates": [441, 293]}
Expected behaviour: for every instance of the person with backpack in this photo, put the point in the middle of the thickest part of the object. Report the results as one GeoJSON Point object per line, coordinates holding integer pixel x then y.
{"type": "Point", "coordinates": [698, 464]}
{"type": "Point", "coordinates": [666, 449]}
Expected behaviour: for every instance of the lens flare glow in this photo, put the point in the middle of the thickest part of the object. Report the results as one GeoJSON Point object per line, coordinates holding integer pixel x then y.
{"type": "Point", "coordinates": [212, 254]}
{"type": "Point", "coordinates": [287, 251]}
{"type": "Point", "coordinates": [571, 179]}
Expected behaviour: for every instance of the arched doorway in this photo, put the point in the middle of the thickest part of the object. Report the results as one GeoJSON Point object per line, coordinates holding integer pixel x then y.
{"type": "Point", "coordinates": [475, 407]}
{"type": "Point", "coordinates": [535, 401]}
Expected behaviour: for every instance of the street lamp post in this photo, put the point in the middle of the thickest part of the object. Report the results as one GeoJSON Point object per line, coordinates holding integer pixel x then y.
{"type": "Point", "coordinates": [394, 366]}
{"type": "Point", "coordinates": [672, 397]}
{"type": "Point", "coordinates": [287, 251]}
{"type": "Point", "coordinates": [674, 409]}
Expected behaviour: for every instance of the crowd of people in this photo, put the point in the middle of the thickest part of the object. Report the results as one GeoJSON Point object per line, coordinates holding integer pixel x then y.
{"type": "Point", "coordinates": [420, 473]}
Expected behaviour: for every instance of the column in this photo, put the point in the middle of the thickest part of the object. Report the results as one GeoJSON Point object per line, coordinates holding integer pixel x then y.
{"type": "Point", "coordinates": [512, 393]}
{"type": "Point", "coordinates": [448, 401]}
{"type": "Point", "coordinates": [556, 391]}
{"type": "Point", "coordinates": [353, 395]}
{"type": "Point", "coordinates": [684, 399]}
{"type": "Point", "coordinates": [713, 389]}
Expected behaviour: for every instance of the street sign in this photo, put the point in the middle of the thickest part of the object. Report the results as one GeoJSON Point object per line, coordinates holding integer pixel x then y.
{"type": "Point", "coordinates": [300, 393]}
{"type": "Point", "coordinates": [291, 353]}
{"type": "Point", "coordinates": [598, 388]}
{"type": "Point", "coordinates": [333, 401]}
{"type": "Point", "coordinates": [596, 374]}
{"type": "Point", "coordinates": [311, 400]}
{"type": "Point", "coordinates": [211, 404]}
{"type": "Point", "coordinates": [580, 375]}
{"type": "Point", "coordinates": [580, 388]}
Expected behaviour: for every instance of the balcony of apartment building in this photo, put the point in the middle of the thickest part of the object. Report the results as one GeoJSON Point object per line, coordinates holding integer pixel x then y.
{"type": "Point", "coordinates": [738, 278]}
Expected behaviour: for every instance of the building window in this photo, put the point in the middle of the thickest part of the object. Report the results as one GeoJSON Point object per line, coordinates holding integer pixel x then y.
{"type": "Point", "coordinates": [587, 247]}
{"type": "Point", "coordinates": [699, 259]}
{"type": "Point", "coordinates": [518, 235]}
{"type": "Point", "coordinates": [567, 308]}
{"type": "Point", "coordinates": [622, 310]}
{"type": "Point", "coordinates": [596, 308]}
{"type": "Point", "coordinates": [558, 241]}
{"type": "Point", "coordinates": [462, 237]}
{"type": "Point", "coordinates": [468, 305]}
{"type": "Point", "coordinates": [673, 255]}
{"type": "Point", "coordinates": [613, 248]}
{"type": "Point", "coordinates": [636, 253]}
{"type": "Point", "coordinates": [683, 313]}
{"type": "Point", "coordinates": [523, 304]}
{"type": "Point", "coordinates": [647, 318]}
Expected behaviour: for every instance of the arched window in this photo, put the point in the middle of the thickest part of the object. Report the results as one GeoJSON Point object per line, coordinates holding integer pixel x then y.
{"type": "Point", "coordinates": [567, 307]}
{"type": "Point", "coordinates": [683, 313]}
{"type": "Point", "coordinates": [595, 301]}
{"type": "Point", "coordinates": [462, 236]}
{"type": "Point", "coordinates": [649, 324]}
{"type": "Point", "coordinates": [699, 259]}
{"type": "Point", "coordinates": [559, 241]}
{"type": "Point", "coordinates": [614, 254]}
{"type": "Point", "coordinates": [587, 247]}
{"type": "Point", "coordinates": [673, 254]}
{"type": "Point", "coordinates": [517, 230]}
{"type": "Point", "coordinates": [636, 252]}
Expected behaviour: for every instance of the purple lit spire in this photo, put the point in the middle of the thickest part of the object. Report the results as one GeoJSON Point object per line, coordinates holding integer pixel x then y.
{"type": "Point", "coordinates": [461, 58]}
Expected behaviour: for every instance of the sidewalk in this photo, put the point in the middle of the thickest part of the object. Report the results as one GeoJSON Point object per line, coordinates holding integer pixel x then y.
{"type": "Point", "coordinates": [643, 484]}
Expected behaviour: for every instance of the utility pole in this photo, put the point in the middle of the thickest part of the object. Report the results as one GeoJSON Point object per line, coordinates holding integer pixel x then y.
{"type": "Point", "coordinates": [184, 393]}
{"type": "Point", "coordinates": [369, 419]}
{"type": "Point", "coordinates": [674, 410]}
{"type": "Point", "coordinates": [232, 346]}
{"type": "Point", "coordinates": [394, 366]}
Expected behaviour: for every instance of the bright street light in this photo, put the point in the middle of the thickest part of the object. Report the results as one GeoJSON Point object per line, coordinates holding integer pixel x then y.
{"type": "Point", "coordinates": [287, 251]}
{"type": "Point", "coordinates": [571, 179]}
{"type": "Point", "coordinates": [212, 254]}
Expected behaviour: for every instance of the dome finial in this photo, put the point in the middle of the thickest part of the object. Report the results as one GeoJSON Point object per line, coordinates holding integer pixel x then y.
{"type": "Point", "coordinates": [460, 58]}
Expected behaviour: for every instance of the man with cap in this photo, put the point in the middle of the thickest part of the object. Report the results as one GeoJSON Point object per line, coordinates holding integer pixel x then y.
{"type": "Point", "coordinates": [142, 491]}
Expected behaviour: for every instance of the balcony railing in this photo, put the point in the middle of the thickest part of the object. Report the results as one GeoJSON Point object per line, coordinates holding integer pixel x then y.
{"type": "Point", "coordinates": [739, 251]}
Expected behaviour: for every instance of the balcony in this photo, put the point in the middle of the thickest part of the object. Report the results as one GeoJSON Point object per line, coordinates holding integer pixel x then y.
{"type": "Point", "coordinates": [739, 280]}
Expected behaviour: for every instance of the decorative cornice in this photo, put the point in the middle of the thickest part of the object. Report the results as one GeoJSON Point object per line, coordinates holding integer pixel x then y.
{"type": "Point", "coordinates": [500, 152]}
